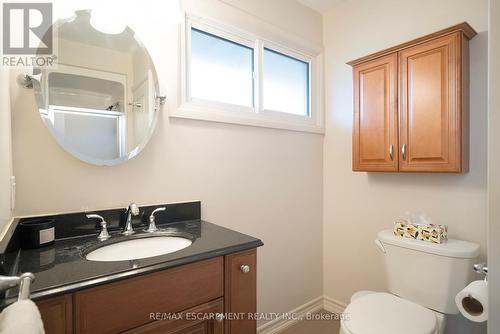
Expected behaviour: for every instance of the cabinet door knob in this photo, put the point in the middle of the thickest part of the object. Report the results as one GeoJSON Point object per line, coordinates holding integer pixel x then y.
{"type": "Point", "coordinates": [391, 151]}
{"type": "Point", "coordinates": [403, 151]}
{"type": "Point", "coordinates": [219, 317]}
{"type": "Point", "coordinates": [245, 268]}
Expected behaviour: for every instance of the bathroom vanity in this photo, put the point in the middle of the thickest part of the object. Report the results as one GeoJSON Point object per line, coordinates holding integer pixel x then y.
{"type": "Point", "coordinates": [207, 287]}
{"type": "Point", "coordinates": [203, 291]}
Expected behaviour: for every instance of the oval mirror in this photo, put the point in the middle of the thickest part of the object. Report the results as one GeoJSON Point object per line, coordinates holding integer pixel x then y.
{"type": "Point", "coordinates": [100, 100]}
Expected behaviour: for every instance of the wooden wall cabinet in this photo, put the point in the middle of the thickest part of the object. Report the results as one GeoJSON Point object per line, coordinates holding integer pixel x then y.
{"type": "Point", "coordinates": [411, 105]}
{"type": "Point", "coordinates": [197, 292]}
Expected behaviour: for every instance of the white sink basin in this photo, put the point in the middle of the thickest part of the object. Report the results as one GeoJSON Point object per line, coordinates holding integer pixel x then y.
{"type": "Point", "coordinates": [139, 248]}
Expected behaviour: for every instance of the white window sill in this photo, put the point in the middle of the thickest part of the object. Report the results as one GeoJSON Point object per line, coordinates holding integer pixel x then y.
{"type": "Point", "coordinates": [265, 119]}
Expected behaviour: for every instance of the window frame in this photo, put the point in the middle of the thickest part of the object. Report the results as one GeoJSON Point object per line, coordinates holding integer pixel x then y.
{"type": "Point", "coordinates": [188, 107]}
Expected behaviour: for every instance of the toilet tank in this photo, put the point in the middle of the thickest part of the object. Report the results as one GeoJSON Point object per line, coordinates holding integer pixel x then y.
{"type": "Point", "coordinates": [427, 273]}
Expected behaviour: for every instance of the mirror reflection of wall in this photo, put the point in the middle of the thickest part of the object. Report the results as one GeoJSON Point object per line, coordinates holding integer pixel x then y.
{"type": "Point", "coordinates": [100, 100]}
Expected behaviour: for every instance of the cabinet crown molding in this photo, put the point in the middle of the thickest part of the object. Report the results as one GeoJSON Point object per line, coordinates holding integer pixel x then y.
{"type": "Point", "coordinates": [463, 27]}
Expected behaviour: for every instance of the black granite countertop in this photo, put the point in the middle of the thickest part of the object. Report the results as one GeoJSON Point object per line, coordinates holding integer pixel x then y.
{"type": "Point", "coordinates": [62, 267]}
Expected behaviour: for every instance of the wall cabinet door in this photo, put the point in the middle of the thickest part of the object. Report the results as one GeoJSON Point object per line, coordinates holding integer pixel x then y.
{"type": "Point", "coordinates": [375, 136]}
{"type": "Point", "coordinates": [433, 121]}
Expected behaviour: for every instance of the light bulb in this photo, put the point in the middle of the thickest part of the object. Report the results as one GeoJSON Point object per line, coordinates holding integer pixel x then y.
{"type": "Point", "coordinates": [107, 22]}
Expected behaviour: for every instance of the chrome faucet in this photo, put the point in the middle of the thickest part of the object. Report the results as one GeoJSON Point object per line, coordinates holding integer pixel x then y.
{"type": "Point", "coordinates": [132, 210]}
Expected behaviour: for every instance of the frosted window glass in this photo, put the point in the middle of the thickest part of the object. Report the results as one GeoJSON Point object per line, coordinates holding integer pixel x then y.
{"type": "Point", "coordinates": [221, 70]}
{"type": "Point", "coordinates": [286, 84]}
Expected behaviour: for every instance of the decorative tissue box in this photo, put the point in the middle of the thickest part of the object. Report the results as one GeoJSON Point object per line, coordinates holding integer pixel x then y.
{"type": "Point", "coordinates": [427, 232]}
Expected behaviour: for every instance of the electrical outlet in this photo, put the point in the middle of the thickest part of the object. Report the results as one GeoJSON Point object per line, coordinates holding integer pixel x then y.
{"type": "Point", "coordinates": [12, 193]}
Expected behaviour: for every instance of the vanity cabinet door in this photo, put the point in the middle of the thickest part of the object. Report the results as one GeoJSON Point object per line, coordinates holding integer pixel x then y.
{"type": "Point", "coordinates": [57, 314]}
{"type": "Point", "coordinates": [197, 320]}
{"type": "Point", "coordinates": [241, 291]}
{"type": "Point", "coordinates": [434, 106]}
{"type": "Point", "coordinates": [375, 132]}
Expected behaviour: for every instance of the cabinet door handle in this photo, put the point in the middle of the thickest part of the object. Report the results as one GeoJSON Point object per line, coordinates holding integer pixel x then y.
{"type": "Point", "coordinates": [403, 151]}
{"type": "Point", "coordinates": [219, 317]}
{"type": "Point", "coordinates": [245, 268]}
{"type": "Point", "coordinates": [391, 151]}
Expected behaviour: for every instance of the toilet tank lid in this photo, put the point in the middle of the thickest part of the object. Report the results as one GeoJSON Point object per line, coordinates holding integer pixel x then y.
{"type": "Point", "coordinates": [451, 248]}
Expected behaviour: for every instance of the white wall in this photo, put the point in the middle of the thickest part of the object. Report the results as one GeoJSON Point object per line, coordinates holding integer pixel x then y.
{"type": "Point", "coordinates": [494, 168]}
{"type": "Point", "coordinates": [264, 182]}
{"type": "Point", "coordinates": [5, 152]}
{"type": "Point", "coordinates": [358, 205]}
{"type": "Point", "coordinates": [295, 18]}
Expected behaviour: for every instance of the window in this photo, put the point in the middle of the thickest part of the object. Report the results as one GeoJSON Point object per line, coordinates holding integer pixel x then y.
{"type": "Point", "coordinates": [231, 76]}
{"type": "Point", "coordinates": [286, 83]}
{"type": "Point", "coordinates": [221, 70]}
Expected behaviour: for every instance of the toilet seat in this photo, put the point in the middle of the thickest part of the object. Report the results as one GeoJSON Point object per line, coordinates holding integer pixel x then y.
{"type": "Point", "coordinates": [383, 313]}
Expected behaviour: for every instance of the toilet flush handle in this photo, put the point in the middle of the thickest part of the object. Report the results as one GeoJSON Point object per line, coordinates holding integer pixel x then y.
{"type": "Point", "coordinates": [380, 246]}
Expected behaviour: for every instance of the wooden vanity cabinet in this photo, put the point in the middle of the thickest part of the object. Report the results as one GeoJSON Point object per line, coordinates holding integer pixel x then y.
{"type": "Point", "coordinates": [200, 294]}
{"type": "Point", "coordinates": [411, 105]}
{"type": "Point", "coordinates": [57, 314]}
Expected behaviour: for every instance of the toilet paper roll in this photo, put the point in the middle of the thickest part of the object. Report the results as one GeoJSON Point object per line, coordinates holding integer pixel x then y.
{"type": "Point", "coordinates": [472, 301]}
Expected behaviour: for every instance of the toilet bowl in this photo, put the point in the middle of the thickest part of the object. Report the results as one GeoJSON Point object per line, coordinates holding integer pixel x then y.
{"type": "Point", "coordinates": [383, 313]}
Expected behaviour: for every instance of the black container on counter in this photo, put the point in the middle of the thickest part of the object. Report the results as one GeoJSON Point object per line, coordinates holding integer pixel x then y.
{"type": "Point", "coordinates": [36, 233]}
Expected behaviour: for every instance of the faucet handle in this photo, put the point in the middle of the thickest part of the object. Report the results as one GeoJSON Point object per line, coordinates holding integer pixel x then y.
{"type": "Point", "coordinates": [152, 225]}
{"type": "Point", "coordinates": [152, 216]}
{"type": "Point", "coordinates": [95, 216]}
{"type": "Point", "coordinates": [104, 235]}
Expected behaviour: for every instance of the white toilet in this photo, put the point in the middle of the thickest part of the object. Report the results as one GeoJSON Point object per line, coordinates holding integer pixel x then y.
{"type": "Point", "coordinates": [423, 279]}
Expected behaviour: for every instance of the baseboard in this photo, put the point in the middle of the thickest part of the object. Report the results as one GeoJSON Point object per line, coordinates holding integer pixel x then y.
{"type": "Point", "coordinates": [278, 325]}
{"type": "Point", "coordinates": [333, 306]}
